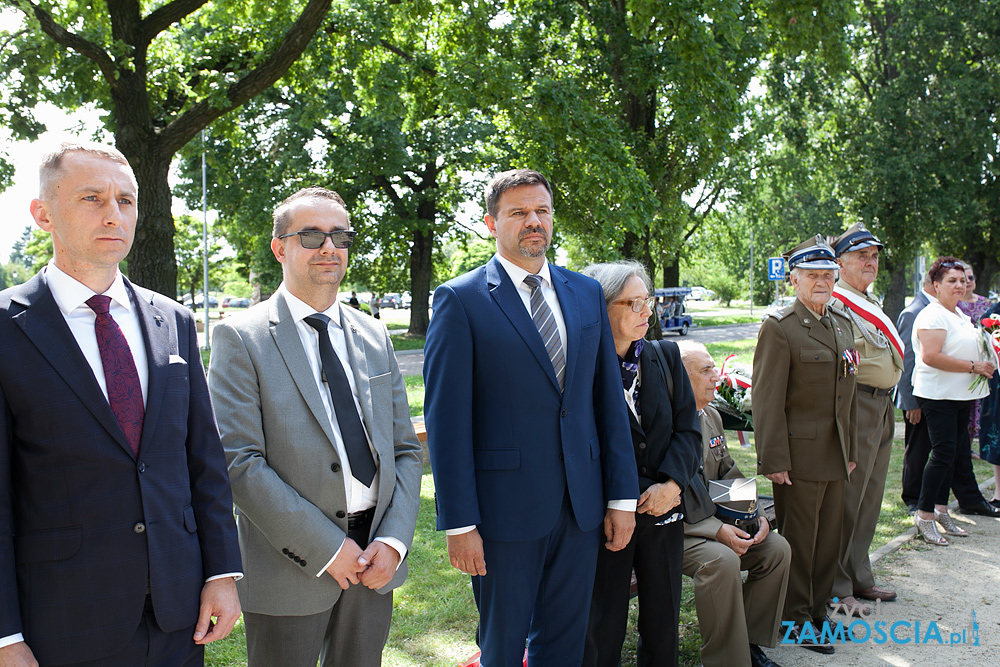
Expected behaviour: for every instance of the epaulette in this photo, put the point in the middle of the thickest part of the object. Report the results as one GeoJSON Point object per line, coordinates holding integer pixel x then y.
{"type": "Point", "coordinates": [783, 313]}
{"type": "Point", "coordinates": [838, 309]}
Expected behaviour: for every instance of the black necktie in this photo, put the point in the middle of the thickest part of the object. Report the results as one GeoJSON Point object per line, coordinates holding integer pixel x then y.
{"type": "Point", "coordinates": [351, 429]}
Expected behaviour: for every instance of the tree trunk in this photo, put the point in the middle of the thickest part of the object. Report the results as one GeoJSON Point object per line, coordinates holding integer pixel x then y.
{"type": "Point", "coordinates": [151, 262]}
{"type": "Point", "coordinates": [421, 270]}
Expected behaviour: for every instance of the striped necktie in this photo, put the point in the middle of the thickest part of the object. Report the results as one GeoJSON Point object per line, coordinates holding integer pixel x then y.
{"type": "Point", "coordinates": [545, 322]}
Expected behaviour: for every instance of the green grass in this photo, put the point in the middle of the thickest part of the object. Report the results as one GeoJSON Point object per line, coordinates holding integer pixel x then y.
{"type": "Point", "coordinates": [717, 320]}
{"type": "Point", "coordinates": [415, 393]}
{"type": "Point", "coordinates": [404, 342]}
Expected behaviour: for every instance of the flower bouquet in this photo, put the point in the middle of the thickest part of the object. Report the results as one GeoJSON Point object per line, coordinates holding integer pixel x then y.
{"type": "Point", "coordinates": [989, 327]}
{"type": "Point", "coordinates": [732, 396]}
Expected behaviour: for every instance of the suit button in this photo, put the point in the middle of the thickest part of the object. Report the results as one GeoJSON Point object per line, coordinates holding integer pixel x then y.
{"type": "Point", "coordinates": [816, 357]}
{"type": "Point", "coordinates": [642, 445]}
{"type": "Point", "coordinates": [335, 467]}
{"type": "Point", "coordinates": [564, 413]}
{"type": "Point", "coordinates": [297, 559]}
{"type": "Point", "coordinates": [643, 470]}
{"type": "Point", "coordinates": [341, 514]}
{"type": "Point", "coordinates": [302, 563]}
{"type": "Point", "coordinates": [284, 551]}
{"type": "Point", "coordinates": [139, 528]}
{"type": "Point", "coordinates": [142, 467]}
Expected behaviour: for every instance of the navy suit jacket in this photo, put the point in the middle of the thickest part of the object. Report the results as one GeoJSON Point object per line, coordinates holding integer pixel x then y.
{"type": "Point", "coordinates": [904, 324]}
{"type": "Point", "coordinates": [506, 445]}
{"type": "Point", "coordinates": [84, 524]}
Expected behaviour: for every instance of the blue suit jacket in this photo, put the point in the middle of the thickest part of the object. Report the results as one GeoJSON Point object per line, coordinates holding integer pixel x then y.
{"type": "Point", "coordinates": [84, 524]}
{"type": "Point", "coordinates": [506, 445]}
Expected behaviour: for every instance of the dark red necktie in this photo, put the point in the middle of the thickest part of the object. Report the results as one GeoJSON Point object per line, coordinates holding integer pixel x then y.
{"type": "Point", "coordinates": [124, 390]}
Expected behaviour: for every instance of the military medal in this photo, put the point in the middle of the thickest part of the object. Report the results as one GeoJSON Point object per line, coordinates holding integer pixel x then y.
{"type": "Point", "coordinates": [717, 446]}
{"type": "Point", "coordinates": [851, 360]}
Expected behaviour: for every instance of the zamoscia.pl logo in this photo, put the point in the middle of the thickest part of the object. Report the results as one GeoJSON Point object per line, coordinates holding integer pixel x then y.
{"type": "Point", "coordinates": [879, 627]}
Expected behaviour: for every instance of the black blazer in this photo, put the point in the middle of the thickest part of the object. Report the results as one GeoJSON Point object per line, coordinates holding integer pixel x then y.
{"type": "Point", "coordinates": [85, 525]}
{"type": "Point", "coordinates": [667, 443]}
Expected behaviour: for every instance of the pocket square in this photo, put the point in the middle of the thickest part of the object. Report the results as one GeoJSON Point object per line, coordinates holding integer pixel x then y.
{"type": "Point", "coordinates": [176, 359]}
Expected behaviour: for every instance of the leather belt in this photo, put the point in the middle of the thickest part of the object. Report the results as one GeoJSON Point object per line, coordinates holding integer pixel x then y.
{"type": "Point", "coordinates": [362, 519]}
{"type": "Point", "coordinates": [875, 391]}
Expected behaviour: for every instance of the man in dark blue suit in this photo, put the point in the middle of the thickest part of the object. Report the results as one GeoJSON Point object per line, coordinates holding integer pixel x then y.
{"type": "Point", "coordinates": [117, 539]}
{"type": "Point", "coordinates": [528, 433]}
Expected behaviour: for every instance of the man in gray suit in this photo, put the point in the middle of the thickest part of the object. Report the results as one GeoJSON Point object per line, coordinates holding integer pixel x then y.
{"type": "Point", "coordinates": [323, 461]}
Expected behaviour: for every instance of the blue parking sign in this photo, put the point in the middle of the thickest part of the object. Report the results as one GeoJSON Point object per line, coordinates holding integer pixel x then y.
{"type": "Point", "coordinates": [775, 268]}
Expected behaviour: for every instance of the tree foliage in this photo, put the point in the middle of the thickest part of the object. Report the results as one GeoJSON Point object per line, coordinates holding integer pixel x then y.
{"type": "Point", "coordinates": [161, 75]}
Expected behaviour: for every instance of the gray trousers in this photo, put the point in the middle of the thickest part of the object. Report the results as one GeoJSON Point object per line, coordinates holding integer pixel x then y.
{"type": "Point", "coordinates": [863, 493]}
{"type": "Point", "coordinates": [351, 634]}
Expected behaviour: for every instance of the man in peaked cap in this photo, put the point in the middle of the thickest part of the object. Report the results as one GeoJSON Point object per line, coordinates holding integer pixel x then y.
{"type": "Point", "coordinates": [805, 423]}
{"type": "Point", "coordinates": [881, 351]}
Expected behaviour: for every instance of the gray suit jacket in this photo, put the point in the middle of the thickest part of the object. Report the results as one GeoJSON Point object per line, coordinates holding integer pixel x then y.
{"type": "Point", "coordinates": [904, 390]}
{"type": "Point", "coordinates": [287, 478]}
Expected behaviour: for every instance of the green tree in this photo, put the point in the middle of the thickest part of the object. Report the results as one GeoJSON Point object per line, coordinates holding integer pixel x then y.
{"type": "Point", "coordinates": [161, 76]}
{"type": "Point", "coordinates": [189, 248]}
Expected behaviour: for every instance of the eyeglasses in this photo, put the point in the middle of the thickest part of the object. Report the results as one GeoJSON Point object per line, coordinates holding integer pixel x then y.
{"type": "Point", "coordinates": [952, 265]}
{"type": "Point", "coordinates": [638, 303]}
{"type": "Point", "coordinates": [970, 279]}
{"type": "Point", "coordinates": [313, 239]}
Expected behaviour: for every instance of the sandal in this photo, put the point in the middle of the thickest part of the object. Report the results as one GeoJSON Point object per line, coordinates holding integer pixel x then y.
{"type": "Point", "coordinates": [949, 525]}
{"type": "Point", "coordinates": [928, 530]}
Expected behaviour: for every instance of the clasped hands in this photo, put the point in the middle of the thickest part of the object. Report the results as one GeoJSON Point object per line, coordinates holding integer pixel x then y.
{"type": "Point", "coordinates": [374, 567]}
{"type": "Point", "coordinates": [739, 540]}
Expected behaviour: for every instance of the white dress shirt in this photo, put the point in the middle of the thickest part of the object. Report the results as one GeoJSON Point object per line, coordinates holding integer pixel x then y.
{"type": "Point", "coordinates": [359, 496]}
{"type": "Point", "coordinates": [517, 275]}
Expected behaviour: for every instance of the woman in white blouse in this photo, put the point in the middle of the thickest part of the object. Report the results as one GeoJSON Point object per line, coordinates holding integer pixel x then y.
{"type": "Point", "coordinates": [949, 356]}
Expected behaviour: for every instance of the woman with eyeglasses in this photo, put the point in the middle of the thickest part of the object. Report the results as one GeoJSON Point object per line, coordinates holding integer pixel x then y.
{"type": "Point", "coordinates": [948, 358]}
{"type": "Point", "coordinates": [667, 442]}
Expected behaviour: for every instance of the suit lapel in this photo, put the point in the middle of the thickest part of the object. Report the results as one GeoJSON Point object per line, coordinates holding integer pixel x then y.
{"type": "Point", "coordinates": [649, 400]}
{"type": "Point", "coordinates": [505, 294]}
{"type": "Point", "coordinates": [156, 335]}
{"type": "Point", "coordinates": [286, 337]}
{"type": "Point", "coordinates": [46, 328]}
{"type": "Point", "coordinates": [570, 308]}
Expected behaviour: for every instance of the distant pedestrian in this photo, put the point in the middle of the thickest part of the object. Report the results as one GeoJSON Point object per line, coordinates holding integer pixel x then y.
{"type": "Point", "coordinates": [373, 304]}
{"type": "Point", "coordinates": [353, 301]}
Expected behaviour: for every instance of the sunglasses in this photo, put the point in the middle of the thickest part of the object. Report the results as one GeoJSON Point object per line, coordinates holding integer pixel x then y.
{"type": "Point", "coordinates": [314, 239]}
{"type": "Point", "coordinates": [638, 303]}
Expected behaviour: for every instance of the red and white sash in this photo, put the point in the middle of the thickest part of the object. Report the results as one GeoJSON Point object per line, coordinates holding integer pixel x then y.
{"type": "Point", "coordinates": [871, 314]}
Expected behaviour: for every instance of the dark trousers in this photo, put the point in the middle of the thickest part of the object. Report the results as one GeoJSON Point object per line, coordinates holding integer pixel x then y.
{"type": "Point", "coordinates": [152, 647]}
{"type": "Point", "coordinates": [918, 449]}
{"type": "Point", "coordinates": [537, 590]}
{"type": "Point", "coordinates": [657, 554]}
{"type": "Point", "coordinates": [946, 423]}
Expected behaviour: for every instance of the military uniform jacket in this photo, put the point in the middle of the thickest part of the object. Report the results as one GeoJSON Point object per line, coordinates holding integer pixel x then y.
{"type": "Point", "coordinates": [805, 414]}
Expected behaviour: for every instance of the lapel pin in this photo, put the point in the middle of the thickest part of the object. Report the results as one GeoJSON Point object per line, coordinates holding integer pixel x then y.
{"type": "Point", "coordinates": [353, 330]}
{"type": "Point", "coordinates": [158, 319]}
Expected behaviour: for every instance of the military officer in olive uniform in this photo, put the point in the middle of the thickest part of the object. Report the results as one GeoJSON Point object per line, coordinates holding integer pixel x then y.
{"type": "Point", "coordinates": [881, 350]}
{"type": "Point", "coordinates": [805, 430]}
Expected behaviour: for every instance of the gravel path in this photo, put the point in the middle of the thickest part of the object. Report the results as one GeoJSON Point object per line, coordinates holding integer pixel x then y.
{"type": "Point", "coordinates": [938, 587]}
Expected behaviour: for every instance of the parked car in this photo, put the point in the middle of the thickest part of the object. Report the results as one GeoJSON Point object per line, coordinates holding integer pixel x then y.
{"type": "Point", "coordinates": [391, 300]}
{"type": "Point", "coordinates": [699, 293]}
{"type": "Point", "coordinates": [199, 302]}
{"type": "Point", "coordinates": [405, 300]}
{"type": "Point", "coordinates": [777, 305]}
{"type": "Point", "coordinates": [673, 314]}
{"type": "Point", "coordinates": [235, 302]}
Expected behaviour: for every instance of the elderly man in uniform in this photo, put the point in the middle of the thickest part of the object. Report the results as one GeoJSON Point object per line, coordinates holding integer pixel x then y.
{"type": "Point", "coordinates": [881, 350]}
{"type": "Point", "coordinates": [805, 429]}
{"type": "Point", "coordinates": [735, 618]}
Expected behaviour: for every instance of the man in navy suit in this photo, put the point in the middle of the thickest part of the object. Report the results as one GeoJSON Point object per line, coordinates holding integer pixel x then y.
{"type": "Point", "coordinates": [528, 433]}
{"type": "Point", "coordinates": [117, 539]}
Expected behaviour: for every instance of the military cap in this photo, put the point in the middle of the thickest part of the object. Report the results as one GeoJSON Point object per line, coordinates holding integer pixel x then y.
{"type": "Point", "coordinates": [855, 238]}
{"type": "Point", "coordinates": [814, 253]}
